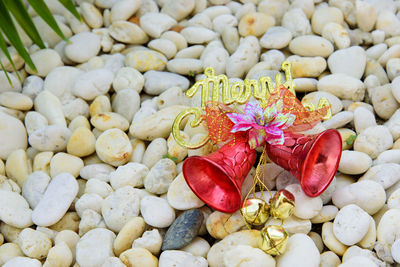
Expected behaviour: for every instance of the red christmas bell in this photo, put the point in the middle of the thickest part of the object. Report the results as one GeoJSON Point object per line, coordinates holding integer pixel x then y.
{"type": "Point", "coordinates": [217, 178]}
{"type": "Point", "coordinates": [312, 159]}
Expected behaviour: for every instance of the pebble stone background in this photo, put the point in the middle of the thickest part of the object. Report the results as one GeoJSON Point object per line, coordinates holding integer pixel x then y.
{"type": "Point", "coordinates": [84, 178]}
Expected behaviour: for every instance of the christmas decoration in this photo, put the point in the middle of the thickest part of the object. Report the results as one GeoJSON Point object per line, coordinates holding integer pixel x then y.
{"type": "Point", "coordinates": [272, 118]}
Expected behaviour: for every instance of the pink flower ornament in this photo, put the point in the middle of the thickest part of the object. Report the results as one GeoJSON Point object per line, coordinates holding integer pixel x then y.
{"type": "Point", "coordinates": [263, 125]}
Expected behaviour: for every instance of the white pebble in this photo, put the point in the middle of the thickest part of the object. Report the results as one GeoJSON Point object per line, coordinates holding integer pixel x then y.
{"type": "Point", "coordinates": [175, 37]}
{"type": "Point", "coordinates": [88, 201]}
{"type": "Point", "coordinates": [145, 60]}
{"type": "Point", "coordinates": [91, 15]}
{"type": "Point", "coordinates": [314, 97]}
{"type": "Point", "coordinates": [160, 176]}
{"type": "Point", "coordinates": [33, 85]}
{"type": "Point", "coordinates": [388, 226]}
{"type": "Point", "coordinates": [180, 196]}
{"type": "Point", "coordinates": [113, 147]}
{"type": "Point", "coordinates": [244, 57]}
{"type": "Point", "coordinates": [83, 47]}
{"type": "Point", "coordinates": [325, 15]}
{"type": "Point", "coordinates": [150, 240]}
{"type": "Point", "coordinates": [373, 141]}
{"type": "Point", "coordinates": [22, 261]}
{"type": "Point", "coordinates": [176, 257]}
{"type": "Point", "coordinates": [223, 21]}
{"type": "Point", "coordinates": [154, 152]}
{"type": "Point", "coordinates": [154, 24]}
{"type": "Point", "coordinates": [47, 104]}
{"type": "Point", "coordinates": [358, 261]}
{"type": "Point", "coordinates": [388, 22]}
{"type": "Point", "coordinates": [395, 249]}
{"type": "Point", "coordinates": [63, 162]}
{"type": "Point", "coordinates": [306, 207]}
{"type": "Point", "coordinates": [343, 86]}
{"type": "Point", "coordinates": [119, 207]}
{"type": "Point", "coordinates": [178, 9]}
{"type": "Point", "coordinates": [326, 214]}
{"type": "Point", "coordinates": [50, 138]}
{"type": "Point", "coordinates": [311, 46]}
{"type": "Point", "coordinates": [388, 156]}
{"type": "Point", "coordinates": [396, 88]}
{"type": "Point", "coordinates": [96, 186]}
{"type": "Point", "coordinates": [45, 60]}
{"type": "Point", "coordinates": [95, 247]}
{"type": "Point", "coordinates": [330, 240]}
{"type": "Point", "coordinates": [165, 46]}
{"type": "Point", "coordinates": [350, 61]}
{"type": "Point", "coordinates": [300, 248]}
{"type": "Point", "coordinates": [14, 210]}
{"type": "Point", "coordinates": [127, 32]}
{"type": "Point", "coordinates": [354, 162]}
{"type": "Point", "coordinates": [14, 100]}
{"type": "Point", "coordinates": [56, 200]}
{"type": "Point", "coordinates": [157, 82]}
{"type": "Point", "coordinates": [363, 119]}
{"type": "Point", "coordinates": [386, 174]}
{"type": "Point", "coordinates": [155, 125]}
{"type": "Point", "coordinates": [296, 22]}
{"type": "Point", "coordinates": [252, 256]}
{"type": "Point", "coordinates": [376, 51]}
{"type": "Point", "coordinates": [385, 105]}
{"type": "Point", "coordinates": [198, 247]}
{"type": "Point", "coordinates": [12, 135]}
{"type": "Point", "coordinates": [185, 66]}
{"type": "Point", "coordinates": [368, 195]}
{"type": "Point", "coordinates": [123, 10]}
{"type": "Point", "coordinates": [128, 78]}
{"type": "Point", "coordinates": [156, 212]}
{"type": "Point", "coordinates": [93, 83]}
{"type": "Point", "coordinates": [33, 243]}
{"type": "Point", "coordinates": [34, 187]}
{"type": "Point", "coordinates": [131, 174]}
{"type": "Point", "coordinates": [99, 171]}
{"type": "Point", "coordinates": [276, 38]}
{"type": "Point", "coordinates": [351, 224]}
{"type": "Point", "coordinates": [338, 120]}
{"type": "Point", "coordinates": [337, 34]}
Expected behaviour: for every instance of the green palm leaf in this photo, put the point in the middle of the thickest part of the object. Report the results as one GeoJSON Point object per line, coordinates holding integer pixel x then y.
{"type": "Point", "coordinates": [17, 8]}
{"type": "Point", "coordinates": [43, 11]}
{"type": "Point", "coordinates": [3, 47]}
{"type": "Point", "coordinates": [8, 28]}
{"type": "Point", "coordinates": [19, 12]}
{"type": "Point", "coordinates": [68, 4]}
{"type": "Point", "coordinates": [5, 72]}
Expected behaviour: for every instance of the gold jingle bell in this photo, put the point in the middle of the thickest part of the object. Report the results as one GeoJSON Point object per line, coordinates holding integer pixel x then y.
{"type": "Point", "coordinates": [273, 240]}
{"type": "Point", "coordinates": [255, 211]}
{"type": "Point", "coordinates": [282, 204]}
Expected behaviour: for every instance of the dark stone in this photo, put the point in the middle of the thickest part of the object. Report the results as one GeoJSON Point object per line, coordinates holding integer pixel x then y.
{"type": "Point", "coordinates": [183, 230]}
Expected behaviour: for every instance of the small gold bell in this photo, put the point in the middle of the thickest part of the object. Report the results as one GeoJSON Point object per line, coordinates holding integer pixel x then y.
{"type": "Point", "coordinates": [273, 240]}
{"type": "Point", "coordinates": [255, 211]}
{"type": "Point", "coordinates": [282, 204]}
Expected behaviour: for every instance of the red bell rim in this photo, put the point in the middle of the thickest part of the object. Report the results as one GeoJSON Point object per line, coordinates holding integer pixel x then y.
{"type": "Point", "coordinates": [330, 135]}
{"type": "Point", "coordinates": [236, 198]}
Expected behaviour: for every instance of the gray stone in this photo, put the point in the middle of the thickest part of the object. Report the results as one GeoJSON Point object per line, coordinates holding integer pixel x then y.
{"type": "Point", "coordinates": [183, 230]}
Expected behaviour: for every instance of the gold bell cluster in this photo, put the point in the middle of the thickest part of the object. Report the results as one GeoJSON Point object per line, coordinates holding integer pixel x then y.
{"type": "Point", "coordinates": [255, 212]}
